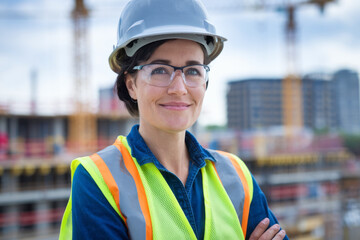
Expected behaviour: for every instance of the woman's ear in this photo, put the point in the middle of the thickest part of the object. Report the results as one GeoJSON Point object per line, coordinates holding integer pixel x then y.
{"type": "Point", "coordinates": [131, 86]}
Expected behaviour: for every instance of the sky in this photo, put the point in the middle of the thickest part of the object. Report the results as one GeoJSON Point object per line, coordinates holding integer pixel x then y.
{"type": "Point", "coordinates": [37, 40]}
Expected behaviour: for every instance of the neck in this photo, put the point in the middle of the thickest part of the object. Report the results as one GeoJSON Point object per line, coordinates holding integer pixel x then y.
{"type": "Point", "coordinates": [170, 150]}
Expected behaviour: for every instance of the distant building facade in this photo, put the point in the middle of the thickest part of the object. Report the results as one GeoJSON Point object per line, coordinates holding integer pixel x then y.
{"type": "Point", "coordinates": [329, 102]}
{"type": "Point", "coordinates": [346, 95]}
{"type": "Point", "coordinates": [319, 110]}
{"type": "Point", "coordinates": [254, 103]}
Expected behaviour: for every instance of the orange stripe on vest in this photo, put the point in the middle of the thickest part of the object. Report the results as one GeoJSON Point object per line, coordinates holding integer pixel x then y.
{"type": "Point", "coordinates": [109, 180]}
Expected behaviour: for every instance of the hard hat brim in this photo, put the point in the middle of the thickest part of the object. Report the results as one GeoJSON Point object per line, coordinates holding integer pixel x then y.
{"type": "Point", "coordinates": [188, 33]}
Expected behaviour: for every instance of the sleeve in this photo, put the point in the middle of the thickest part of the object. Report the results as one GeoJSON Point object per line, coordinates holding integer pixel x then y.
{"type": "Point", "coordinates": [92, 215]}
{"type": "Point", "coordinates": [259, 210]}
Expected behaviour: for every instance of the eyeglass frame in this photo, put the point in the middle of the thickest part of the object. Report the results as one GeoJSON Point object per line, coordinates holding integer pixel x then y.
{"type": "Point", "coordinates": [206, 67]}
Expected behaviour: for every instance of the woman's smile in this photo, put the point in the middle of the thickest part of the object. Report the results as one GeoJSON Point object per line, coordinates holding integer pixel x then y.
{"type": "Point", "coordinates": [176, 106]}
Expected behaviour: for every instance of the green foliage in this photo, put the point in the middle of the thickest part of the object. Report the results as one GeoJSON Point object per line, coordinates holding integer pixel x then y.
{"type": "Point", "coordinates": [215, 127]}
{"type": "Point", "coordinates": [321, 131]}
{"type": "Point", "coordinates": [352, 143]}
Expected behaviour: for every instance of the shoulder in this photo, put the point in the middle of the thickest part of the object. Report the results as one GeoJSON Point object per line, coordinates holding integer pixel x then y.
{"type": "Point", "coordinates": [92, 162]}
{"type": "Point", "coordinates": [83, 184]}
{"type": "Point", "coordinates": [92, 171]}
{"type": "Point", "coordinates": [91, 208]}
{"type": "Point", "coordinates": [221, 157]}
{"type": "Point", "coordinates": [226, 159]}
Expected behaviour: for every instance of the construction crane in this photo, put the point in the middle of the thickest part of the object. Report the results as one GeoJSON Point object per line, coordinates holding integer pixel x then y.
{"type": "Point", "coordinates": [82, 123]}
{"type": "Point", "coordinates": [292, 98]}
{"type": "Point", "coordinates": [291, 84]}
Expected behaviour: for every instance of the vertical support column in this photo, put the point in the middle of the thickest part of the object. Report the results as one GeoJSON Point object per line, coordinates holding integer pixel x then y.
{"type": "Point", "coordinates": [13, 137]}
{"type": "Point", "coordinates": [3, 124]}
{"type": "Point", "coordinates": [59, 135]}
{"type": "Point", "coordinates": [11, 212]}
{"type": "Point", "coordinates": [43, 217]}
{"type": "Point", "coordinates": [12, 229]}
{"type": "Point", "coordinates": [4, 138]}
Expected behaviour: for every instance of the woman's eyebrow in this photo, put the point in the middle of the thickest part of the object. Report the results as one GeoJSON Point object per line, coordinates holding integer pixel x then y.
{"type": "Point", "coordinates": [193, 62]}
{"type": "Point", "coordinates": [164, 61]}
{"type": "Point", "coordinates": [160, 61]}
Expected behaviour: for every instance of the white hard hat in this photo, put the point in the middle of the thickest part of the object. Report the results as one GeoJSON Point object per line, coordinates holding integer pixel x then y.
{"type": "Point", "coordinates": [145, 21]}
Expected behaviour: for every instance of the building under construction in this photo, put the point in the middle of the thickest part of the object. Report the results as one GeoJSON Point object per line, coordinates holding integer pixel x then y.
{"type": "Point", "coordinates": [35, 156]}
{"type": "Point", "coordinates": [311, 181]}
{"type": "Point", "coordinates": [313, 188]}
{"type": "Point", "coordinates": [314, 191]}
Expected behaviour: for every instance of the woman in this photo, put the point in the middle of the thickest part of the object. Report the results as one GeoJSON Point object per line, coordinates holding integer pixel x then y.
{"type": "Point", "coordinates": [158, 182]}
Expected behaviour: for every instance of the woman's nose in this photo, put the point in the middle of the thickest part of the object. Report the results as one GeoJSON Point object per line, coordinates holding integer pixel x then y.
{"type": "Point", "coordinates": [177, 85]}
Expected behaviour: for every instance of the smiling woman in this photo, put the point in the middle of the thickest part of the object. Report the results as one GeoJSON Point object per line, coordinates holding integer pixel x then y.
{"type": "Point", "coordinates": [174, 105]}
{"type": "Point", "coordinates": [158, 182]}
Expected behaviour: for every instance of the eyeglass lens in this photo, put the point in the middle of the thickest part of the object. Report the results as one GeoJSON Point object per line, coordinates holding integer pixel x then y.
{"type": "Point", "coordinates": [161, 75]}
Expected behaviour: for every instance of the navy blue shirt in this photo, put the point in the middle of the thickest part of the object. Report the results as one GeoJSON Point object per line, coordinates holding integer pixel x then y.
{"type": "Point", "coordinates": [94, 217]}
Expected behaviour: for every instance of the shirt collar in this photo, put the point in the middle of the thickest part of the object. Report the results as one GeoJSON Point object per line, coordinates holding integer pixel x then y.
{"type": "Point", "coordinates": [143, 154]}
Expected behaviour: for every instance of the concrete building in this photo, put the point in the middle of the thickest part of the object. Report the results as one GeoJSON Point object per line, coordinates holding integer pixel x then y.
{"type": "Point", "coordinates": [346, 95]}
{"type": "Point", "coordinates": [319, 110]}
{"type": "Point", "coordinates": [329, 102]}
{"type": "Point", "coordinates": [254, 103]}
{"type": "Point", "coordinates": [35, 154]}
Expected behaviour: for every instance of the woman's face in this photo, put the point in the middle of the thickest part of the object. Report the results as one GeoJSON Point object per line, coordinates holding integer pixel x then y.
{"type": "Point", "coordinates": [176, 107]}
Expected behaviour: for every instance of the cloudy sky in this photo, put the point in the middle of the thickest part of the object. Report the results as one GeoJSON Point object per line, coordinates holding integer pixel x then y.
{"type": "Point", "coordinates": [37, 37]}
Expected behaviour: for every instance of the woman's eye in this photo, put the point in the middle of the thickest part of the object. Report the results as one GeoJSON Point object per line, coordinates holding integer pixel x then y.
{"type": "Point", "coordinates": [193, 71]}
{"type": "Point", "coordinates": [159, 71]}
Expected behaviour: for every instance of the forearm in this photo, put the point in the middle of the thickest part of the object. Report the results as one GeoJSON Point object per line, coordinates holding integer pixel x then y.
{"type": "Point", "coordinates": [259, 210]}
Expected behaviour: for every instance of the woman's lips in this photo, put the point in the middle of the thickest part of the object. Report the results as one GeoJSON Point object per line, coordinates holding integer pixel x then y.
{"type": "Point", "coordinates": [175, 105]}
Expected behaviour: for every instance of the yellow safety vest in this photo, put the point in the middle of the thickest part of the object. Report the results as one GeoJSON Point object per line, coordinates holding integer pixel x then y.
{"type": "Point", "coordinates": [156, 213]}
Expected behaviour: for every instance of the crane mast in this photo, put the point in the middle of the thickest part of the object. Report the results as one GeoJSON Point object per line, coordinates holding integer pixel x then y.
{"type": "Point", "coordinates": [82, 122]}
{"type": "Point", "coordinates": [291, 84]}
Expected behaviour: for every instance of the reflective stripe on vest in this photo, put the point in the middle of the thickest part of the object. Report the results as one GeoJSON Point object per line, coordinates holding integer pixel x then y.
{"type": "Point", "coordinates": [109, 192]}
{"type": "Point", "coordinates": [233, 185]}
{"type": "Point", "coordinates": [149, 208]}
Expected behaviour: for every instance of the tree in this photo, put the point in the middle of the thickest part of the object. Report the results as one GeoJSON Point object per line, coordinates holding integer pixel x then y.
{"type": "Point", "coordinates": [352, 143]}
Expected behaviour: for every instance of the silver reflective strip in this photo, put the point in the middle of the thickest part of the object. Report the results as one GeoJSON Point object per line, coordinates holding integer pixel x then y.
{"type": "Point", "coordinates": [129, 201]}
{"type": "Point", "coordinates": [231, 181]}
